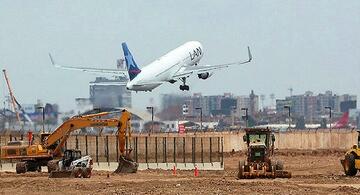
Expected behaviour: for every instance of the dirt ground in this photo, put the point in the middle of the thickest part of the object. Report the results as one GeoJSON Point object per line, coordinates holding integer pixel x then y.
{"type": "Point", "coordinates": [313, 173]}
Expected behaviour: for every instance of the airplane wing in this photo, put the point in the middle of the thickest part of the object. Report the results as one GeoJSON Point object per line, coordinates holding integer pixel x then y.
{"type": "Point", "coordinates": [187, 71]}
{"type": "Point", "coordinates": [113, 72]}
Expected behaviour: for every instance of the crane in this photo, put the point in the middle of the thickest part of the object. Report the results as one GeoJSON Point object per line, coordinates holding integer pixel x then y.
{"type": "Point", "coordinates": [16, 105]}
{"type": "Point", "coordinates": [12, 96]}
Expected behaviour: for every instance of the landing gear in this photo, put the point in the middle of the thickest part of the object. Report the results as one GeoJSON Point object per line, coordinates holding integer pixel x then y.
{"type": "Point", "coordinates": [184, 87]}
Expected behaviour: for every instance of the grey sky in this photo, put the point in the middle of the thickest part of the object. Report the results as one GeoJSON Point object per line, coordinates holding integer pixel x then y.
{"type": "Point", "coordinates": [309, 45]}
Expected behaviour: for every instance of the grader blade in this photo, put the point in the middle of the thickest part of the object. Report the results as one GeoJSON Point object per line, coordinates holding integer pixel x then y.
{"type": "Point", "coordinates": [282, 174]}
{"type": "Point", "coordinates": [253, 174]}
{"type": "Point", "coordinates": [126, 165]}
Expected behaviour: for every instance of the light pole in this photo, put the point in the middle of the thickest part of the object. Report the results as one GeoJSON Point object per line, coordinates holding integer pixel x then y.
{"type": "Point", "coordinates": [199, 108]}
{"type": "Point", "coordinates": [43, 118]}
{"type": "Point", "coordinates": [246, 117]}
{"type": "Point", "coordinates": [329, 107]}
{"type": "Point", "coordinates": [288, 107]}
{"type": "Point", "coordinates": [152, 117]}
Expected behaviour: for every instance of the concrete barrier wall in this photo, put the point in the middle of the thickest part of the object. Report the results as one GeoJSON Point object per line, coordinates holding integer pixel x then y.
{"type": "Point", "coordinates": [340, 139]}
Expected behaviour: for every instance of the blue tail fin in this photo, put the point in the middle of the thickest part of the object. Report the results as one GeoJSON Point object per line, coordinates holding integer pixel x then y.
{"type": "Point", "coordinates": [131, 65]}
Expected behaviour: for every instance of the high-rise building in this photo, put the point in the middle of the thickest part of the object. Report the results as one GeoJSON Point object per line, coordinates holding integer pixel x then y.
{"type": "Point", "coordinates": [312, 107]}
{"type": "Point", "coordinates": [251, 102]}
{"type": "Point", "coordinates": [110, 92]}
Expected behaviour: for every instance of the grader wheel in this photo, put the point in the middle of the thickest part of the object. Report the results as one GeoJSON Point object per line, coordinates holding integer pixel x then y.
{"type": "Point", "coordinates": [279, 165]}
{"type": "Point", "coordinates": [241, 170]}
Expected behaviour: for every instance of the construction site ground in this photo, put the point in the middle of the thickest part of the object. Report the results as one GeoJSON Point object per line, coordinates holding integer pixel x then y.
{"type": "Point", "coordinates": [316, 172]}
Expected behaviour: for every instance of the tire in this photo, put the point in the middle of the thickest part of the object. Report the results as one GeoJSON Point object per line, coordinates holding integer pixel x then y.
{"type": "Point", "coordinates": [273, 171]}
{"type": "Point", "coordinates": [77, 172]}
{"type": "Point", "coordinates": [279, 165]}
{"type": "Point", "coordinates": [32, 166]}
{"type": "Point", "coordinates": [349, 165]}
{"type": "Point", "coordinates": [241, 170]}
{"type": "Point", "coordinates": [86, 173]}
{"type": "Point", "coordinates": [52, 165]}
{"type": "Point", "coordinates": [21, 167]}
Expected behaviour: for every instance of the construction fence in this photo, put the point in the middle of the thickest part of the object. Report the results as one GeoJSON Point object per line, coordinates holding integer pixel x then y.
{"type": "Point", "coordinates": [146, 148]}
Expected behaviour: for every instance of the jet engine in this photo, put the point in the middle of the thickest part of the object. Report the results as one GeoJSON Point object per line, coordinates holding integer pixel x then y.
{"type": "Point", "coordinates": [204, 75]}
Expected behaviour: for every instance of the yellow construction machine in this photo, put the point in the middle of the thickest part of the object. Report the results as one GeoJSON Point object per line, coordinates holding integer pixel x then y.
{"type": "Point", "coordinates": [351, 162]}
{"type": "Point", "coordinates": [259, 164]}
{"type": "Point", "coordinates": [48, 151]}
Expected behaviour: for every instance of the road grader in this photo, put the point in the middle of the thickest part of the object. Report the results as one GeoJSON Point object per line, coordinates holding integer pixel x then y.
{"type": "Point", "coordinates": [259, 162]}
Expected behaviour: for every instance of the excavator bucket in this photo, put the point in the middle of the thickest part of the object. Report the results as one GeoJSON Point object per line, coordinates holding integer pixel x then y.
{"type": "Point", "coordinates": [126, 165]}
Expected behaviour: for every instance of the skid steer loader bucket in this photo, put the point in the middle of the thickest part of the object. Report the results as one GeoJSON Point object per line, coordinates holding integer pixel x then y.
{"type": "Point", "coordinates": [126, 165]}
{"type": "Point", "coordinates": [61, 174]}
{"type": "Point", "coordinates": [77, 172]}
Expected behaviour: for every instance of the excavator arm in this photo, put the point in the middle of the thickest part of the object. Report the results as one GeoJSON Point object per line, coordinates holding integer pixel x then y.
{"type": "Point", "coordinates": [62, 133]}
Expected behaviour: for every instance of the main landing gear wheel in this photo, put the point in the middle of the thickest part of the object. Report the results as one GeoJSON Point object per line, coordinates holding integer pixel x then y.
{"type": "Point", "coordinates": [184, 87]}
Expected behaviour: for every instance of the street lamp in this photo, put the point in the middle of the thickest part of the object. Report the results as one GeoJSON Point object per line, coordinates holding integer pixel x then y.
{"type": "Point", "coordinates": [288, 107]}
{"type": "Point", "coordinates": [152, 117]}
{"type": "Point", "coordinates": [43, 118]}
{"type": "Point", "coordinates": [246, 117]}
{"type": "Point", "coordinates": [199, 108]}
{"type": "Point", "coordinates": [329, 107]}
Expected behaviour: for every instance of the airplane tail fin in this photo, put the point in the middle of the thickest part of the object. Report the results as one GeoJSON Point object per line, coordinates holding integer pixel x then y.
{"type": "Point", "coordinates": [131, 65]}
{"type": "Point", "coordinates": [343, 121]}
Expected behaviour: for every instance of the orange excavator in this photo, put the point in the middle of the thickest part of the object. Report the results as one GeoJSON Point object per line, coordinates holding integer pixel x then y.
{"type": "Point", "coordinates": [49, 149]}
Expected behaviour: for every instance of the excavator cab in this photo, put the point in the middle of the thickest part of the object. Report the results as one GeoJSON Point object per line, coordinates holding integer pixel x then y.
{"type": "Point", "coordinates": [43, 137]}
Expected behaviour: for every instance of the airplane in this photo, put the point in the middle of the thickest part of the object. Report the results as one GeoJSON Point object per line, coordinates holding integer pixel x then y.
{"type": "Point", "coordinates": [178, 64]}
{"type": "Point", "coordinates": [343, 122]}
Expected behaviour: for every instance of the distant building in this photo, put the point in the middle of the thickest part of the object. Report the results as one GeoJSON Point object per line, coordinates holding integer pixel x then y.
{"type": "Point", "coordinates": [312, 107]}
{"type": "Point", "coordinates": [251, 102]}
{"type": "Point", "coordinates": [280, 105]}
{"type": "Point", "coordinates": [110, 93]}
{"type": "Point", "coordinates": [172, 106]}
{"type": "Point", "coordinates": [213, 105]}
{"type": "Point", "coordinates": [83, 105]}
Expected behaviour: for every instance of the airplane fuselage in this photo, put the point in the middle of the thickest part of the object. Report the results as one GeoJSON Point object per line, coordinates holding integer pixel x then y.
{"type": "Point", "coordinates": [162, 69]}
